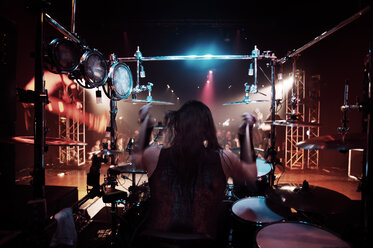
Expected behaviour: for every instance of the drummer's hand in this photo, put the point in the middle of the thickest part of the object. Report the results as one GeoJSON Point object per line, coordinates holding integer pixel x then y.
{"type": "Point", "coordinates": [144, 111]}
{"type": "Point", "coordinates": [248, 119]}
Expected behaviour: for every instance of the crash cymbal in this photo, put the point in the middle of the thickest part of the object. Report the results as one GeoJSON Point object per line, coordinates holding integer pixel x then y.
{"type": "Point", "coordinates": [334, 142]}
{"type": "Point", "coordinates": [245, 101]}
{"type": "Point", "coordinates": [137, 101]}
{"type": "Point", "coordinates": [306, 198]}
{"type": "Point", "coordinates": [292, 123]}
{"type": "Point", "coordinates": [50, 141]}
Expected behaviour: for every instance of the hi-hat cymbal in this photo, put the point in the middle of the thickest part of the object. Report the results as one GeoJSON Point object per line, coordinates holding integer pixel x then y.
{"type": "Point", "coordinates": [306, 198]}
{"type": "Point", "coordinates": [106, 152]}
{"type": "Point", "coordinates": [245, 101]}
{"type": "Point", "coordinates": [334, 142]}
{"type": "Point", "coordinates": [292, 123]}
{"type": "Point", "coordinates": [135, 101]}
{"type": "Point", "coordinates": [50, 141]}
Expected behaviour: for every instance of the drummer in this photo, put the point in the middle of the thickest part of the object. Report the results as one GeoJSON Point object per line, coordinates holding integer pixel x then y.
{"type": "Point", "coordinates": [188, 174]}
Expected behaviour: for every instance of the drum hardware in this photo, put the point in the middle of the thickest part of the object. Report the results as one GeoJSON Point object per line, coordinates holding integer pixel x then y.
{"type": "Point", "coordinates": [149, 98]}
{"type": "Point", "coordinates": [343, 141]}
{"type": "Point", "coordinates": [246, 100]}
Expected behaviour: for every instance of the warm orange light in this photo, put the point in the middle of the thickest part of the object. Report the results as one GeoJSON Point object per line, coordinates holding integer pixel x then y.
{"type": "Point", "coordinates": [60, 107]}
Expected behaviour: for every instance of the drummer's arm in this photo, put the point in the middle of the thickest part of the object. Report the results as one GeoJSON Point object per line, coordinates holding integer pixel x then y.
{"type": "Point", "coordinates": [241, 172]}
{"type": "Point", "coordinates": [142, 154]}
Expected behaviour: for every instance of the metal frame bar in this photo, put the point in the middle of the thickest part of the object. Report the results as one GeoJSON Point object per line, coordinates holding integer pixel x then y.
{"type": "Point", "coordinates": [325, 34]}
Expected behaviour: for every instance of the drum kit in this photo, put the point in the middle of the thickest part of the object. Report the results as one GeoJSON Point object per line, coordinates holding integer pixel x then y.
{"type": "Point", "coordinates": [270, 215]}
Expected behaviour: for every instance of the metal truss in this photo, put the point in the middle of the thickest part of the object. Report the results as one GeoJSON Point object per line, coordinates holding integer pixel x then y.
{"type": "Point", "coordinates": [73, 129]}
{"type": "Point", "coordinates": [295, 156]}
{"type": "Point", "coordinates": [313, 108]}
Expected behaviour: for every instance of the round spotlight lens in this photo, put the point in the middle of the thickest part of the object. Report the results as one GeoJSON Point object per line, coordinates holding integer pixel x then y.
{"type": "Point", "coordinates": [94, 68]}
{"type": "Point", "coordinates": [64, 55]}
{"type": "Point", "coordinates": [121, 79]}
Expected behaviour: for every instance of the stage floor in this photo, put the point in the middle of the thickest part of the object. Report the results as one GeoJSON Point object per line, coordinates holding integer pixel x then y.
{"type": "Point", "coordinates": [335, 179]}
{"type": "Point", "coordinates": [332, 178]}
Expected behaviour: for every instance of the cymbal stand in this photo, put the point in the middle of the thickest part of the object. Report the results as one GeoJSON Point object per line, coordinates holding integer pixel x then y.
{"type": "Point", "coordinates": [271, 152]}
{"type": "Point", "coordinates": [344, 129]}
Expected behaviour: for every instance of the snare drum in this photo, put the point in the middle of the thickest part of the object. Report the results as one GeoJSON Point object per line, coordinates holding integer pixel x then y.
{"type": "Point", "coordinates": [297, 234]}
{"type": "Point", "coordinates": [263, 181]}
{"type": "Point", "coordinates": [249, 214]}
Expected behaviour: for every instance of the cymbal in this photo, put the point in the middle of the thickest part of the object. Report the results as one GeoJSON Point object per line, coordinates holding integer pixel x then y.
{"type": "Point", "coordinates": [306, 198]}
{"type": "Point", "coordinates": [245, 101]}
{"type": "Point", "coordinates": [159, 127]}
{"type": "Point", "coordinates": [292, 123]}
{"type": "Point", "coordinates": [106, 152]}
{"type": "Point", "coordinates": [255, 149]}
{"type": "Point", "coordinates": [127, 168]}
{"type": "Point", "coordinates": [334, 142]}
{"type": "Point", "coordinates": [50, 141]}
{"type": "Point", "coordinates": [135, 101]}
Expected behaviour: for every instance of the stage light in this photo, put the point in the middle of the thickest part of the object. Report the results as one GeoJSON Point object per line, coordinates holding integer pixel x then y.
{"type": "Point", "coordinates": [168, 86]}
{"type": "Point", "coordinates": [64, 55]}
{"type": "Point", "coordinates": [172, 91]}
{"type": "Point", "coordinates": [94, 68]}
{"type": "Point", "coordinates": [208, 81]}
{"type": "Point", "coordinates": [288, 82]}
{"type": "Point", "coordinates": [121, 79]}
{"type": "Point", "coordinates": [210, 71]}
{"type": "Point", "coordinates": [61, 107]}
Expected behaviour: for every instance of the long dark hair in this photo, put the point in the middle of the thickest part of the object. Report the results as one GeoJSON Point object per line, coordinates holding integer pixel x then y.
{"type": "Point", "coordinates": [191, 133]}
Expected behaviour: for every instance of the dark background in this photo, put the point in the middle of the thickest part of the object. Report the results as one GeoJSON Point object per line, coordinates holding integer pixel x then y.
{"type": "Point", "coordinates": [200, 27]}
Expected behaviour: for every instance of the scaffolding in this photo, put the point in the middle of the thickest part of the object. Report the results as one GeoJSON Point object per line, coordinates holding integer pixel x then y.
{"type": "Point", "coordinates": [313, 108]}
{"type": "Point", "coordinates": [295, 156]}
{"type": "Point", "coordinates": [74, 130]}
{"type": "Point", "coordinates": [307, 110]}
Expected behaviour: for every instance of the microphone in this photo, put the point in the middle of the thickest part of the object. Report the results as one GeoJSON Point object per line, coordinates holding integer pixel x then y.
{"type": "Point", "coordinates": [251, 71]}
{"type": "Point", "coordinates": [130, 144]}
{"type": "Point", "coordinates": [345, 99]}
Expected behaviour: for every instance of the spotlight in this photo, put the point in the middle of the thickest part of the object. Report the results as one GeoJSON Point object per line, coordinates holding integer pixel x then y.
{"type": "Point", "coordinates": [121, 79]}
{"type": "Point", "coordinates": [94, 68]}
{"type": "Point", "coordinates": [210, 71]}
{"type": "Point", "coordinates": [64, 55]}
